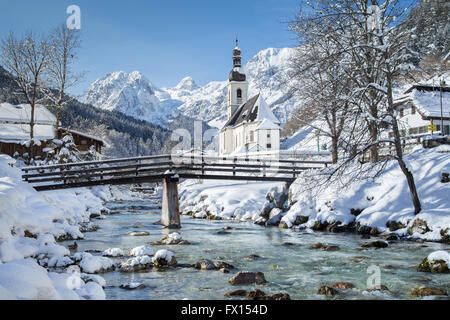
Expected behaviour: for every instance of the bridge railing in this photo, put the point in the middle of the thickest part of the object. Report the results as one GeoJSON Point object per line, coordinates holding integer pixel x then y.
{"type": "Point", "coordinates": [152, 168]}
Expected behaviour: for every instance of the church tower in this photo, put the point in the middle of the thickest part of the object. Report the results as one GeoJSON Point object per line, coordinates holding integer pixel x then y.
{"type": "Point", "coordinates": [237, 85]}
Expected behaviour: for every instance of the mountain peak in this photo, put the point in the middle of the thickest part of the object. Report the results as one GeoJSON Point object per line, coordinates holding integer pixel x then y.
{"type": "Point", "coordinates": [186, 84]}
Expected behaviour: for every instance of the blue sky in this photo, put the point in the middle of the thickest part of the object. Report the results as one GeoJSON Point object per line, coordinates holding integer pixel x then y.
{"type": "Point", "coordinates": [165, 39]}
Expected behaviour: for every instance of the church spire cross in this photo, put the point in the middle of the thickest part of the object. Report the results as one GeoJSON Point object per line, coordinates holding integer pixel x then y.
{"type": "Point", "coordinates": [237, 40]}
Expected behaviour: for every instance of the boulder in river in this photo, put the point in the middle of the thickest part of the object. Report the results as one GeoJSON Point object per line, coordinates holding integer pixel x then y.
{"type": "Point", "coordinates": [205, 264]}
{"type": "Point", "coordinates": [428, 291]}
{"type": "Point", "coordinates": [133, 286]}
{"type": "Point", "coordinates": [139, 233]}
{"type": "Point", "coordinates": [342, 285]}
{"type": "Point", "coordinates": [236, 293]}
{"type": "Point", "coordinates": [419, 226]}
{"type": "Point", "coordinates": [247, 278]}
{"type": "Point", "coordinates": [436, 262]}
{"type": "Point", "coordinates": [324, 247]}
{"type": "Point", "coordinates": [164, 258]}
{"type": "Point", "coordinates": [260, 295]}
{"type": "Point", "coordinates": [138, 263]}
{"type": "Point", "coordinates": [375, 244]}
{"type": "Point", "coordinates": [173, 238]}
{"type": "Point", "coordinates": [327, 291]}
{"type": "Point", "coordinates": [113, 252]}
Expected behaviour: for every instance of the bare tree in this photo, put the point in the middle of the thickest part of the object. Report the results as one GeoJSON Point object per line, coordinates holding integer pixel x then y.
{"type": "Point", "coordinates": [366, 38]}
{"type": "Point", "coordinates": [64, 44]}
{"type": "Point", "coordinates": [27, 59]}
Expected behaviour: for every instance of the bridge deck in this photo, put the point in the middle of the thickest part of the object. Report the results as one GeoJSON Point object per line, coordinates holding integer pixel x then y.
{"type": "Point", "coordinates": [157, 168]}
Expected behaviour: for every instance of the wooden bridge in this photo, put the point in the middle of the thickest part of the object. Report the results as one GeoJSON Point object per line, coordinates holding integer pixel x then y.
{"type": "Point", "coordinates": [168, 169]}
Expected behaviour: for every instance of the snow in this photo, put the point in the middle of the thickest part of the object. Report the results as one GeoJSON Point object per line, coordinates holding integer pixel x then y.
{"type": "Point", "coordinates": [93, 264]}
{"type": "Point", "coordinates": [137, 261]}
{"type": "Point", "coordinates": [175, 236]}
{"type": "Point", "coordinates": [135, 96]}
{"type": "Point", "coordinates": [10, 132]}
{"type": "Point", "coordinates": [305, 139]}
{"type": "Point", "coordinates": [46, 215]}
{"type": "Point", "coordinates": [428, 102]}
{"type": "Point", "coordinates": [264, 112]}
{"type": "Point", "coordinates": [268, 125]}
{"type": "Point", "coordinates": [385, 199]}
{"type": "Point", "coordinates": [163, 254]}
{"type": "Point", "coordinates": [141, 251]}
{"type": "Point", "coordinates": [225, 199]}
{"type": "Point", "coordinates": [113, 252]}
{"type": "Point", "coordinates": [439, 255]}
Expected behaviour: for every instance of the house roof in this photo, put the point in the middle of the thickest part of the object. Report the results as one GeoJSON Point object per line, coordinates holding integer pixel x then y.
{"type": "Point", "coordinates": [15, 123]}
{"type": "Point", "coordinates": [82, 134]}
{"type": "Point", "coordinates": [427, 99]}
{"type": "Point", "coordinates": [255, 109]}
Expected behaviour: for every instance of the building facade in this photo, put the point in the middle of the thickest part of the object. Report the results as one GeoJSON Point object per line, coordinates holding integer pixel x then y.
{"type": "Point", "coordinates": [251, 125]}
{"type": "Point", "coordinates": [421, 107]}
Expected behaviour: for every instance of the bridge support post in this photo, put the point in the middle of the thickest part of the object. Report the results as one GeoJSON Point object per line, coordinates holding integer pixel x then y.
{"type": "Point", "coordinates": [170, 213]}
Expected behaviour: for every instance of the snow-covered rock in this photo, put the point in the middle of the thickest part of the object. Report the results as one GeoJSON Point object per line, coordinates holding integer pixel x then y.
{"type": "Point", "coordinates": [93, 264]}
{"type": "Point", "coordinates": [113, 252]}
{"type": "Point", "coordinates": [164, 258]}
{"type": "Point", "coordinates": [141, 251]}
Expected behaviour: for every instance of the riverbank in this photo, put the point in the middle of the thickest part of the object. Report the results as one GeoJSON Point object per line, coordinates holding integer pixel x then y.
{"type": "Point", "coordinates": [380, 207]}
{"type": "Point", "coordinates": [31, 225]}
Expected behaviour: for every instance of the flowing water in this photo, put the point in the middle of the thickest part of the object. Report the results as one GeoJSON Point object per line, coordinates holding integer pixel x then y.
{"type": "Point", "coordinates": [294, 269]}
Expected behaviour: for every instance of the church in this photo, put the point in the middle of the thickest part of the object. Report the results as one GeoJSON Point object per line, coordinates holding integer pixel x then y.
{"type": "Point", "coordinates": [251, 125]}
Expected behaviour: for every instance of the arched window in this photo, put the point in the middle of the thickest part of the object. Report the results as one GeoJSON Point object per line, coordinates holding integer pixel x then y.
{"type": "Point", "coordinates": [239, 93]}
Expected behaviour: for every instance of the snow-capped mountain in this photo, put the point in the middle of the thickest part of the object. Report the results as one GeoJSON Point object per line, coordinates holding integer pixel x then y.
{"type": "Point", "coordinates": [136, 96]}
{"type": "Point", "coordinates": [132, 94]}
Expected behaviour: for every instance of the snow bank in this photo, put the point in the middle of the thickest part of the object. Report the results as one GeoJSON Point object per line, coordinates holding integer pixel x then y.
{"type": "Point", "coordinates": [224, 199]}
{"type": "Point", "coordinates": [385, 199]}
{"type": "Point", "coordinates": [30, 224]}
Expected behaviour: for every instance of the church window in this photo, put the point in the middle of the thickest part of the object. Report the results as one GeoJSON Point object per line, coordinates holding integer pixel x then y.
{"type": "Point", "coordinates": [269, 145]}
{"type": "Point", "coordinates": [252, 136]}
{"type": "Point", "coordinates": [239, 93]}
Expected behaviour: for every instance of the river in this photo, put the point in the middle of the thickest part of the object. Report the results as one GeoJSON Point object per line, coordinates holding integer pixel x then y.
{"type": "Point", "coordinates": [294, 268]}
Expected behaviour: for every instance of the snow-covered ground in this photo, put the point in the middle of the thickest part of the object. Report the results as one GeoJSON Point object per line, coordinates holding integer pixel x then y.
{"type": "Point", "coordinates": [224, 199]}
{"type": "Point", "coordinates": [384, 200]}
{"type": "Point", "coordinates": [30, 224]}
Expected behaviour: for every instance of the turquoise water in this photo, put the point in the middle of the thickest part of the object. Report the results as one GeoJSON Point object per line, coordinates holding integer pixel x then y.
{"type": "Point", "coordinates": [294, 269]}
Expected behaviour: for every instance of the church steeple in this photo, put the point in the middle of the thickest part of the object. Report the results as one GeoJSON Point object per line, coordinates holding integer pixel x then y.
{"type": "Point", "coordinates": [237, 85]}
{"type": "Point", "coordinates": [235, 74]}
{"type": "Point", "coordinates": [237, 56]}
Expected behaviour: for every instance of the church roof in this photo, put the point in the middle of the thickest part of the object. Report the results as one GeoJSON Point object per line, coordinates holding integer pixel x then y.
{"type": "Point", "coordinates": [255, 109]}
{"type": "Point", "coordinates": [266, 124]}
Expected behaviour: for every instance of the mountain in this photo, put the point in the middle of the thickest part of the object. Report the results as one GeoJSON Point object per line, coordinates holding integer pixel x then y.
{"type": "Point", "coordinates": [125, 135]}
{"type": "Point", "coordinates": [131, 94]}
{"type": "Point", "coordinates": [134, 95]}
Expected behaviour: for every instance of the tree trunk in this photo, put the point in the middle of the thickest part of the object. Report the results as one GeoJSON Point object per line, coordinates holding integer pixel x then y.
{"type": "Point", "coordinates": [334, 149]}
{"type": "Point", "coordinates": [399, 152]}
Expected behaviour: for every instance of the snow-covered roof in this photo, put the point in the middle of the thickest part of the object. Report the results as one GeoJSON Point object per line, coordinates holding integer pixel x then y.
{"type": "Point", "coordinates": [15, 119]}
{"type": "Point", "coordinates": [429, 102]}
{"type": "Point", "coordinates": [85, 135]}
{"type": "Point", "coordinates": [254, 110]}
{"type": "Point", "coordinates": [264, 111]}
{"type": "Point", "coordinates": [427, 99]}
{"type": "Point", "coordinates": [266, 124]}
